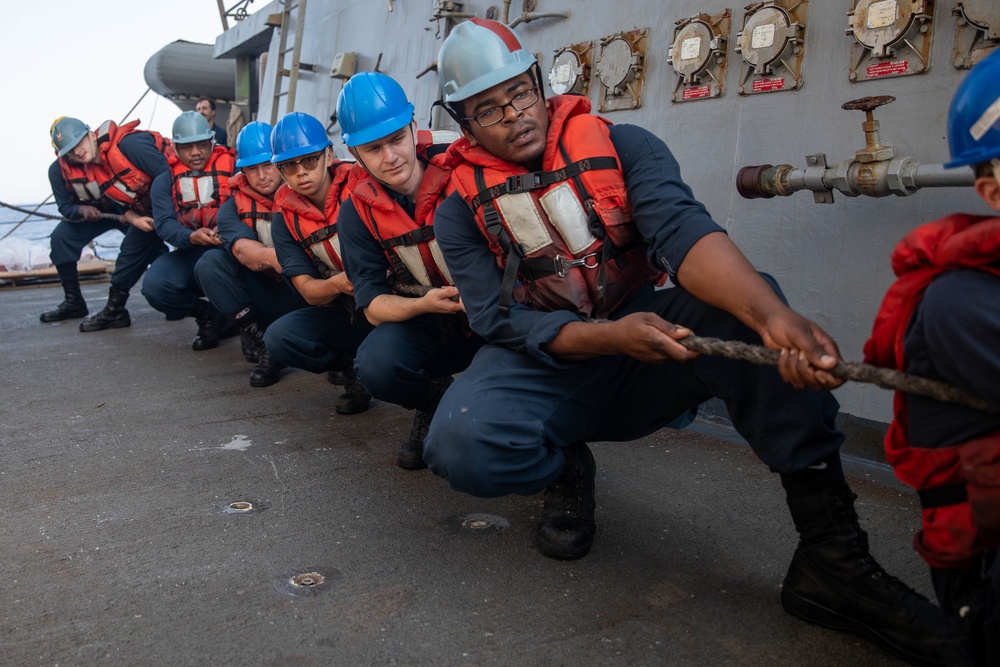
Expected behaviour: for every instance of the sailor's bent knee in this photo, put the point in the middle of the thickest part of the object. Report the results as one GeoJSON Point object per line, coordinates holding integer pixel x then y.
{"type": "Point", "coordinates": [455, 451]}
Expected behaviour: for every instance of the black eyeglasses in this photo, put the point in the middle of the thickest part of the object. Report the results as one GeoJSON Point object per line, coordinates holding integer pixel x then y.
{"type": "Point", "coordinates": [523, 100]}
{"type": "Point", "coordinates": [309, 162]}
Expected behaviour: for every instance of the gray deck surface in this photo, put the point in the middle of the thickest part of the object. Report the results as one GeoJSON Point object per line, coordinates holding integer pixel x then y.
{"type": "Point", "coordinates": [119, 451]}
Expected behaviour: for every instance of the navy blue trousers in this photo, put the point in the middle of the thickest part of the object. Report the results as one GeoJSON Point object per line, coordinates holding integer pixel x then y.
{"type": "Point", "coordinates": [317, 338]}
{"type": "Point", "coordinates": [500, 427]}
{"type": "Point", "coordinates": [232, 287]}
{"type": "Point", "coordinates": [170, 287]}
{"type": "Point", "coordinates": [398, 360]}
{"type": "Point", "coordinates": [69, 239]}
{"type": "Point", "coordinates": [139, 249]}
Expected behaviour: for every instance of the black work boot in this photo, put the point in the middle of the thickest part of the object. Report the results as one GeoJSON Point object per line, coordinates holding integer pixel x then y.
{"type": "Point", "coordinates": [210, 322]}
{"type": "Point", "coordinates": [267, 371]}
{"type": "Point", "coordinates": [338, 375]}
{"type": "Point", "coordinates": [113, 316]}
{"type": "Point", "coordinates": [72, 305]}
{"type": "Point", "coordinates": [411, 452]}
{"type": "Point", "coordinates": [835, 582]}
{"type": "Point", "coordinates": [566, 527]}
{"type": "Point", "coordinates": [355, 398]}
{"type": "Point", "coordinates": [249, 347]}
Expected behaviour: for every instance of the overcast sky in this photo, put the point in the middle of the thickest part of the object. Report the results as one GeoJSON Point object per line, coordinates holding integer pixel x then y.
{"type": "Point", "coordinates": [84, 58]}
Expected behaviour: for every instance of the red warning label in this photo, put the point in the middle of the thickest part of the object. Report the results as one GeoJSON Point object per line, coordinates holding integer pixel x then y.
{"type": "Point", "coordinates": [767, 85]}
{"type": "Point", "coordinates": [887, 69]}
{"type": "Point", "coordinates": [696, 92]}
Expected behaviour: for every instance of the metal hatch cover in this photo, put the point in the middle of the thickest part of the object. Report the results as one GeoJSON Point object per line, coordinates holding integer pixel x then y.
{"type": "Point", "coordinates": [891, 38]}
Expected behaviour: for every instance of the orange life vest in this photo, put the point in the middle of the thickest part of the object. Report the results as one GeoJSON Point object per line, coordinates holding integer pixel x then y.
{"type": "Point", "coordinates": [84, 181]}
{"type": "Point", "coordinates": [316, 230]}
{"type": "Point", "coordinates": [566, 231]}
{"type": "Point", "coordinates": [199, 194]}
{"type": "Point", "coordinates": [408, 243]}
{"type": "Point", "coordinates": [255, 209]}
{"type": "Point", "coordinates": [128, 184]}
{"type": "Point", "coordinates": [113, 175]}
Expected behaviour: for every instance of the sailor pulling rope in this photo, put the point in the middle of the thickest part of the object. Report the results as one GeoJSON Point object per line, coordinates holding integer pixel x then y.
{"type": "Point", "coordinates": [844, 370]}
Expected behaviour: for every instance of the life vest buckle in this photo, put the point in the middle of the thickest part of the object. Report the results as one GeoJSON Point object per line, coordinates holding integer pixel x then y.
{"type": "Point", "coordinates": [564, 264]}
{"type": "Point", "coordinates": [524, 182]}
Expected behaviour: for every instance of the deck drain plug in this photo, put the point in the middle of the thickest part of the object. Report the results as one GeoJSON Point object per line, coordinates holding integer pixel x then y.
{"type": "Point", "coordinates": [240, 507]}
{"type": "Point", "coordinates": [308, 581]}
{"type": "Point", "coordinates": [480, 524]}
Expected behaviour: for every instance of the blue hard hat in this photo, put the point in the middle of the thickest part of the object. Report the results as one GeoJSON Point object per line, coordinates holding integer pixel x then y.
{"type": "Point", "coordinates": [67, 133]}
{"type": "Point", "coordinates": [297, 134]}
{"type": "Point", "coordinates": [371, 106]}
{"type": "Point", "coordinates": [191, 127]}
{"type": "Point", "coordinates": [974, 116]}
{"type": "Point", "coordinates": [253, 144]}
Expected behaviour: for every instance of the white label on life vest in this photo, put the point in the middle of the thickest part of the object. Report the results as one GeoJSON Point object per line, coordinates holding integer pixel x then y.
{"type": "Point", "coordinates": [524, 220]}
{"type": "Point", "coordinates": [567, 215]}
{"type": "Point", "coordinates": [763, 36]}
{"type": "Point", "coordinates": [690, 48]}
{"type": "Point", "coordinates": [881, 14]}
{"type": "Point", "coordinates": [986, 121]}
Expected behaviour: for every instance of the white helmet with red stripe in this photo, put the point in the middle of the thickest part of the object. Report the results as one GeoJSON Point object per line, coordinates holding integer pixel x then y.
{"type": "Point", "coordinates": [477, 55]}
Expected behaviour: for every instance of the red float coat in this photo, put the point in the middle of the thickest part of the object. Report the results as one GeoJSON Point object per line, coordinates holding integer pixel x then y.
{"type": "Point", "coordinates": [408, 242]}
{"type": "Point", "coordinates": [949, 537]}
{"type": "Point", "coordinates": [199, 194]}
{"type": "Point", "coordinates": [316, 230]}
{"type": "Point", "coordinates": [567, 230]}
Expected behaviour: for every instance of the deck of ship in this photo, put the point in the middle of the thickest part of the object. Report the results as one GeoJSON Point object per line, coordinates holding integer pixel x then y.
{"type": "Point", "coordinates": [121, 450]}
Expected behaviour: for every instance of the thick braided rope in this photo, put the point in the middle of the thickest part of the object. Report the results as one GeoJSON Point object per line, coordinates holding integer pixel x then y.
{"type": "Point", "coordinates": [103, 216]}
{"type": "Point", "coordinates": [845, 370]}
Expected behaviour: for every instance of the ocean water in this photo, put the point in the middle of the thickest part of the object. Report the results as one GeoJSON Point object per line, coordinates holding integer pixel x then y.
{"type": "Point", "coordinates": [25, 239]}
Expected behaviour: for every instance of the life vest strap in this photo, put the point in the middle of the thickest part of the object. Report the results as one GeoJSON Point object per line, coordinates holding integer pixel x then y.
{"type": "Point", "coordinates": [536, 180]}
{"type": "Point", "coordinates": [942, 496]}
{"type": "Point", "coordinates": [411, 238]}
{"type": "Point", "coordinates": [321, 235]}
{"type": "Point", "coordinates": [257, 215]}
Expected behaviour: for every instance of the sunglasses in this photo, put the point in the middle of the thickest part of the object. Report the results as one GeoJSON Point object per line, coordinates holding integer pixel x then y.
{"type": "Point", "coordinates": [309, 162]}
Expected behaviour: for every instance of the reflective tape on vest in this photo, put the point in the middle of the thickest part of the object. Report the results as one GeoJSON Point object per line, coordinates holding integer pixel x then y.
{"type": "Point", "coordinates": [525, 222]}
{"type": "Point", "coordinates": [567, 215]}
{"type": "Point", "coordinates": [89, 191]}
{"type": "Point", "coordinates": [196, 192]}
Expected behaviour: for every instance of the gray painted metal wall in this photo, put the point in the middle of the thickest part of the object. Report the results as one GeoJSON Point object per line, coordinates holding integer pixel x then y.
{"type": "Point", "coordinates": [831, 260]}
